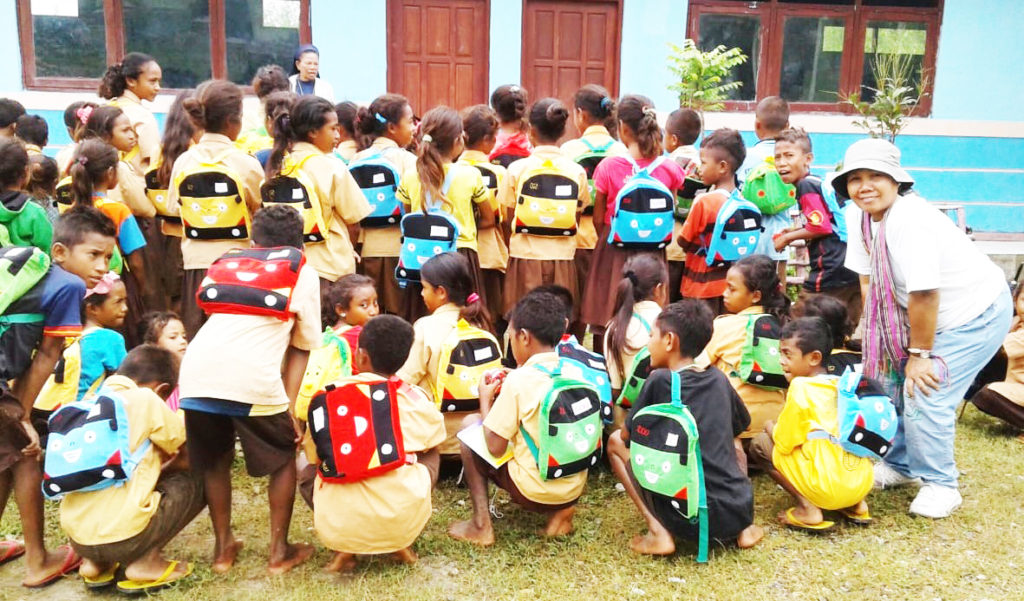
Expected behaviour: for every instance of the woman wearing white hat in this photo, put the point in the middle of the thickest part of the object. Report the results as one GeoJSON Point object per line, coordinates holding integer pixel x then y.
{"type": "Point", "coordinates": [936, 310]}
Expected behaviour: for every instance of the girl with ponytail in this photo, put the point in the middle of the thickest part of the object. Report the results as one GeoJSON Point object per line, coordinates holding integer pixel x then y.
{"type": "Point", "coordinates": [510, 102]}
{"type": "Point", "coordinates": [126, 85]}
{"type": "Point", "coordinates": [111, 124]}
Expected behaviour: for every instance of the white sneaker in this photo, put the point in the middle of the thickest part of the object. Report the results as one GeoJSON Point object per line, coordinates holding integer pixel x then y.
{"type": "Point", "coordinates": [934, 501]}
{"type": "Point", "coordinates": [886, 477]}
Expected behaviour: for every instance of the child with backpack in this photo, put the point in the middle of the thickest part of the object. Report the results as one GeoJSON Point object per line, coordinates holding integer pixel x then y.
{"type": "Point", "coordinates": [824, 224]}
{"type": "Point", "coordinates": [721, 154]}
{"type": "Point", "coordinates": [387, 127]}
{"type": "Point", "coordinates": [639, 298]}
{"type": "Point", "coordinates": [634, 196]}
{"type": "Point", "coordinates": [547, 470]}
{"type": "Point", "coordinates": [154, 501]}
{"type": "Point", "coordinates": [456, 333]}
{"type": "Point", "coordinates": [771, 116]}
{"type": "Point", "coordinates": [40, 307]}
{"type": "Point", "coordinates": [215, 188]}
{"type": "Point", "coordinates": [360, 509]}
{"type": "Point", "coordinates": [544, 194]}
{"type": "Point", "coordinates": [681, 403]}
{"type": "Point", "coordinates": [801, 451]}
{"type": "Point", "coordinates": [22, 222]}
{"type": "Point", "coordinates": [512, 143]}
{"type": "Point", "coordinates": [112, 125]}
{"type": "Point", "coordinates": [241, 375]}
{"type": "Point", "coordinates": [682, 128]}
{"type": "Point", "coordinates": [833, 311]}
{"type": "Point", "coordinates": [348, 139]}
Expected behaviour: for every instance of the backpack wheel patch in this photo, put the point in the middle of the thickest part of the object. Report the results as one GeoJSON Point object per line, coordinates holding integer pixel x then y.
{"type": "Point", "coordinates": [759, 359]}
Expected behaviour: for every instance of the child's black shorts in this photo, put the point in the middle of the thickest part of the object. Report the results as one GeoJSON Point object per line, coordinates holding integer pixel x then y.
{"type": "Point", "coordinates": [268, 441]}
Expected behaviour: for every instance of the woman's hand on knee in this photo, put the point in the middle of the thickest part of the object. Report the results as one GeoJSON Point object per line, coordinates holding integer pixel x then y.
{"type": "Point", "coordinates": [921, 377]}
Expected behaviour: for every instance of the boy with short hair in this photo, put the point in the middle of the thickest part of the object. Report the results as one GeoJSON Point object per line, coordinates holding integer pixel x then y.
{"type": "Point", "coordinates": [679, 334]}
{"type": "Point", "coordinates": [682, 129]}
{"type": "Point", "coordinates": [827, 252]}
{"type": "Point", "coordinates": [29, 350]}
{"type": "Point", "coordinates": [770, 117]}
{"type": "Point", "coordinates": [10, 110]}
{"type": "Point", "coordinates": [159, 499]}
{"type": "Point", "coordinates": [233, 383]}
{"type": "Point", "coordinates": [384, 513]}
{"type": "Point", "coordinates": [817, 472]}
{"type": "Point", "coordinates": [536, 323]}
{"type": "Point", "coordinates": [32, 130]}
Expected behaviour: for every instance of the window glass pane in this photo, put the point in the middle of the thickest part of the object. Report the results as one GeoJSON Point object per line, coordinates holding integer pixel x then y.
{"type": "Point", "coordinates": [69, 38]}
{"type": "Point", "coordinates": [893, 47]}
{"type": "Point", "coordinates": [735, 31]}
{"type": "Point", "coordinates": [812, 52]}
{"type": "Point", "coordinates": [260, 32]}
{"type": "Point", "coordinates": [176, 33]}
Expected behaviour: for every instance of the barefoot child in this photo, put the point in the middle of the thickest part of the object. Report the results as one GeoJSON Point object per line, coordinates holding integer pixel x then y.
{"type": "Point", "coordinates": [679, 334]}
{"type": "Point", "coordinates": [383, 513]}
{"type": "Point", "coordinates": [819, 473]}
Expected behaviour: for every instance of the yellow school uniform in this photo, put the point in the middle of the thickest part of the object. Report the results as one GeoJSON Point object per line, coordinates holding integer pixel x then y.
{"type": "Point", "coordinates": [145, 126]}
{"type": "Point", "coordinates": [637, 336]}
{"type": "Point", "coordinates": [586, 235]}
{"type": "Point", "coordinates": [820, 469]}
{"type": "Point", "coordinates": [131, 190]}
{"type": "Point", "coordinates": [385, 241]}
{"type": "Point", "coordinates": [347, 150]}
{"type": "Point", "coordinates": [466, 193]}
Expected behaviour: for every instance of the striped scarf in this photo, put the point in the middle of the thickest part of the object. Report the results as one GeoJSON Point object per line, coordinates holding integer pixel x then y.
{"type": "Point", "coordinates": [886, 326]}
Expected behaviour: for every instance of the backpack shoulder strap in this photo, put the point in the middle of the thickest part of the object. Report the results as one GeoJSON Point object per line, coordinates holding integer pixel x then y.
{"type": "Point", "coordinates": [702, 509]}
{"type": "Point", "coordinates": [654, 165]}
{"type": "Point", "coordinates": [643, 322]}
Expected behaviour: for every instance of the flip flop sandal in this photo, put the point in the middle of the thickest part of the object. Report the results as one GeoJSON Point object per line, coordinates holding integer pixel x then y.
{"type": "Point", "coordinates": [104, 580]}
{"type": "Point", "coordinates": [71, 562]}
{"type": "Point", "coordinates": [859, 519]}
{"type": "Point", "coordinates": [792, 521]}
{"type": "Point", "coordinates": [140, 587]}
{"type": "Point", "coordinates": [10, 550]}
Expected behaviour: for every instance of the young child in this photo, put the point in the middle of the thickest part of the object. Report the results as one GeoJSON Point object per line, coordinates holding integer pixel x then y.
{"type": "Point", "coordinates": [33, 131]}
{"type": "Point", "coordinates": [102, 345]}
{"type": "Point", "coordinates": [537, 323]}
{"type": "Point", "coordinates": [353, 302]}
{"type": "Point", "coordinates": [833, 311]}
{"type": "Point", "coordinates": [536, 259]}
{"type": "Point", "coordinates": [480, 125]}
{"type": "Point", "coordinates": [82, 247]}
{"type": "Point", "coordinates": [42, 183]}
{"type": "Point", "coordinates": [76, 115]}
{"type": "Point", "coordinates": [240, 377]}
{"type": "Point", "coordinates": [1005, 399]}
{"type": "Point", "coordinates": [23, 221]}
{"type": "Point", "coordinates": [277, 102]}
{"type": "Point", "coordinates": [640, 132]}
{"type": "Point", "coordinates": [111, 124]}
{"type": "Point", "coordinates": [136, 78]}
{"type": "Point", "coordinates": [160, 498]}
{"type": "Point", "coordinates": [384, 513]}
{"type": "Point", "coordinates": [10, 110]}
{"type": "Point", "coordinates": [387, 126]}
{"type": "Point", "coordinates": [511, 144]}
{"type": "Point", "coordinates": [456, 189]}
{"type": "Point", "coordinates": [752, 288]}
{"type": "Point", "coordinates": [448, 295]}
{"type": "Point", "coordinates": [165, 330]}
{"type": "Point", "coordinates": [678, 335]}
{"type": "Point", "coordinates": [348, 142]}
{"type": "Point", "coordinates": [721, 154]}
{"type": "Point", "coordinates": [255, 134]}
{"type": "Point", "coordinates": [818, 473]}
{"type": "Point", "coordinates": [682, 128]}
{"type": "Point", "coordinates": [770, 117]}
{"type": "Point", "coordinates": [826, 250]}
{"type": "Point", "coordinates": [639, 297]}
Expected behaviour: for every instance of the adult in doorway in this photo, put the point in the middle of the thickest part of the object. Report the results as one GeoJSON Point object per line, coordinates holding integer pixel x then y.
{"type": "Point", "coordinates": [305, 79]}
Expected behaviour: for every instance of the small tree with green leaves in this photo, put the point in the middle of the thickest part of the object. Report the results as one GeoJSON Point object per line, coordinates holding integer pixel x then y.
{"type": "Point", "coordinates": [895, 98]}
{"type": "Point", "coordinates": [702, 78]}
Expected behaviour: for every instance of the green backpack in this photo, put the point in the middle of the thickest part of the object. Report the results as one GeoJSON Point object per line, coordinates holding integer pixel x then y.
{"type": "Point", "coordinates": [570, 428]}
{"type": "Point", "coordinates": [664, 452]}
{"type": "Point", "coordinates": [21, 268]}
{"type": "Point", "coordinates": [759, 360]}
{"type": "Point", "coordinates": [764, 187]}
{"type": "Point", "coordinates": [589, 160]}
{"type": "Point", "coordinates": [639, 369]}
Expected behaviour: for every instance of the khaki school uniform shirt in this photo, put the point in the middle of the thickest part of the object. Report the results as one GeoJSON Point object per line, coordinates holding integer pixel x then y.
{"type": "Point", "coordinates": [466, 193]}
{"type": "Point", "coordinates": [637, 337]}
{"type": "Point", "coordinates": [200, 254]}
{"type": "Point", "coordinates": [385, 241]}
{"type": "Point", "coordinates": [118, 513]}
{"type": "Point", "coordinates": [544, 248]}
{"type": "Point", "coordinates": [490, 242]}
{"type": "Point", "coordinates": [347, 150]}
{"type": "Point", "coordinates": [586, 235]}
{"type": "Point", "coordinates": [341, 203]}
{"type": "Point", "coordinates": [385, 513]}
{"type": "Point", "coordinates": [131, 191]}
{"type": "Point", "coordinates": [517, 404]}
{"type": "Point", "coordinates": [145, 125]}
{"type": "Point", "coordinates": [724, 352]}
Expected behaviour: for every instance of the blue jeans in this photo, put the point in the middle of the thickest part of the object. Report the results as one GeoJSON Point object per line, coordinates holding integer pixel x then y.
{"type": "Point", "coordinates": [923, 447]}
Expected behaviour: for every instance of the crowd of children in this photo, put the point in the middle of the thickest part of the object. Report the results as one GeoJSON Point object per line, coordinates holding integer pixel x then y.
{"type": "Point", "coordinates": [357, 295]}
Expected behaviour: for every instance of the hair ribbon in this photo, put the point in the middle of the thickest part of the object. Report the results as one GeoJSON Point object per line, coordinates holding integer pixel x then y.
{"type": "Point", "coordinates": [83, 114]}
{"type": "Point", "coordinates": [472, 298]}
{"type": "Point", "coordinates": [380, 118]}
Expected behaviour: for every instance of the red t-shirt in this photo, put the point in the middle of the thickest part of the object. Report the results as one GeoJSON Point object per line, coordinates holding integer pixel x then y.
{"type": "Point", "coordinates": [611, 174]}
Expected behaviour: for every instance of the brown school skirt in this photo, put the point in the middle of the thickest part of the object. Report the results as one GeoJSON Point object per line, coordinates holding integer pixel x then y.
{"type": "Point", "coordinates": [192, 317]}
{"type": "Point", "coordinates": [523, 275]}
{"type": "Point", "coordinates": [135, 299]}
{"type": "Point", "coordinates": [605, 272]}
{"type": "Point", "coordinates": [494, 282]}
{"type": "Point", "coordinates": [154, 296]}
{"type": "Point", "coordinates": [391, 298]}
{"type": "Point", "coordinates": [583, 259]}
{"type": "Point", "coordinates": [171, 269]}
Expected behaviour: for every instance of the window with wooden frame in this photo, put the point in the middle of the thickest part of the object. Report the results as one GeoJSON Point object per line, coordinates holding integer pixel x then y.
{"type": "Point", "coordinates": [67, 44]}
{"type": "Point", "coordinates": [815, 52]}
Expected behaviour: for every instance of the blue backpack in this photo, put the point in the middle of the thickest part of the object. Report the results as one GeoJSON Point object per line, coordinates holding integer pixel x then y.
{"type": "Point", "coordinates": [88, 447]}
{"type": "Point", "coordinates": [643, 211]}
{"type": "Point", "coordinates": [835, 206]}
{"type": "Point", "coordinates": [425, 234]}
{"type": "Point", "coordinates": [580, 364]}
{"type": "Point", "coordinates": [737, 230]}
{"type": "Point", "coordinates": [867, 418]}
{"type": "Point", "coordinates": [378, 179]}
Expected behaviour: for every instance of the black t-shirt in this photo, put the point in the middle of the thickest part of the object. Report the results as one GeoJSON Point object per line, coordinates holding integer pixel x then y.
{"type": "Point", "coordinates": [720, 417]}
{"type": "Point", "coordinates": [828, 253]}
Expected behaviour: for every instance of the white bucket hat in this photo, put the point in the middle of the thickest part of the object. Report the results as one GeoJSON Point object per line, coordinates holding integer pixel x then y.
{"type": "Point", "coordinates": [876, 155]}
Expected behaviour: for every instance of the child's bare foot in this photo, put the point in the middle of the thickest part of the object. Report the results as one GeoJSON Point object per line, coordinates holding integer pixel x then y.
{"type": "Point", "coordinates": [149, 570]}
{"type": "Point", "coordinates": [294, 554]}
{"type": "Point", "coordinates": [560, 522]}
{"type": "Point", "coordinates": [750, 536]}
{"type": "Point", "coordinates": [653, 543]}
{"type": "Point", "coordinates": [92, 569]}
{"type": "Point", "coordinates": [406, 556]}
{"type": "Point", "coordinates": [224, 558]}
{"type": "Point", "coordinates": [471, 533]}
{"type": "Point", "coordinates": [54, 566]}
{"type": "Point", "coordinates": [341, 563]}
{"type": "Point", "coordinates": [810, 516]}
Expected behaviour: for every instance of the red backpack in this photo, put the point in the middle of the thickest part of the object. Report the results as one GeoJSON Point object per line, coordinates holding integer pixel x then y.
{"type": "Point", "coordinates": [356, 429]}
{"type": "Point", "coordinates": [253, 281]}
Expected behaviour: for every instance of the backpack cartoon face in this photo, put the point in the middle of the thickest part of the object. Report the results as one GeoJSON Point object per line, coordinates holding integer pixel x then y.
{"type": "Point", "coordinates": [643, 218]}
{"type": "Point", "coordinates": [547, 204]}
{"type": "Point", "coordinates": [659, 453]}
{"type": "Point", "coordinates": [62, 198]}
{"type": "Point", "coordinates": [740, 234]}
{"type": "Point", "coordinates": [423, 236]}
{"type": "Point", "coordinates": [867, 418]}
{"type": "Point", "coordinates": [83, 449]}
{"type": "Point", "coordinates": [573, 438]}
{"type": "Point", "coordinates": [759, 359]}
{"type": "Point", "coordinates": [638, 374]}
{"type": "Point", "coordinates": [460, 387]}
{"type": "Point", "coordinates": [158, 196]}
{"type": "Point", "coordinates": [251, 282]}
{"type": "Point", "coordinates": [378, 180]}
{"type": "Point", "coordinates": [766, 190]}
{"type": "Point", "coordinates": [212, 207]}
{"type": "Point", "coordinates": [289, 191]}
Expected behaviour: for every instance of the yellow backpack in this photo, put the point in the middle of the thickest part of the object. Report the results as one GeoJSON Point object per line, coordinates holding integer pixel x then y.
{"type": "Point", "coordinates": [62, 198]}
{"type": "Point", "coordinates": [61, 387]}
{"type": "Point", "coordinates": [294, 188]}
{"type": "Point", "coordinates": [158, 195]}
{"type": "Point", "coordinates": [547, 198]}
{"type": "Point", "coordinates": [212, 206]}
{"type": "Point", "coordinates": [466, 354]}
{"type": "Point", "coordinates": [492, 181]}
{"type": "Point", "coordinates": [327, 364]}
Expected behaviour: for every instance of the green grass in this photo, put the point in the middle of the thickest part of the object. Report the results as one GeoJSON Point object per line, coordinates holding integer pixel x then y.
{"type": "Point", "coordinates": [973, 555]}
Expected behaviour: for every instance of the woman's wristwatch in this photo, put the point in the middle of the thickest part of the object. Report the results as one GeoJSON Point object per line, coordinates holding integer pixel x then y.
{"type": "Point", "coordinates": [922, 353]}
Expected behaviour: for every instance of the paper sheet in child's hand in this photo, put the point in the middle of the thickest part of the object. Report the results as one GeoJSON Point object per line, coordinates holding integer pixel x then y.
{"type": "Point", "coordinates": [473, 436]}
